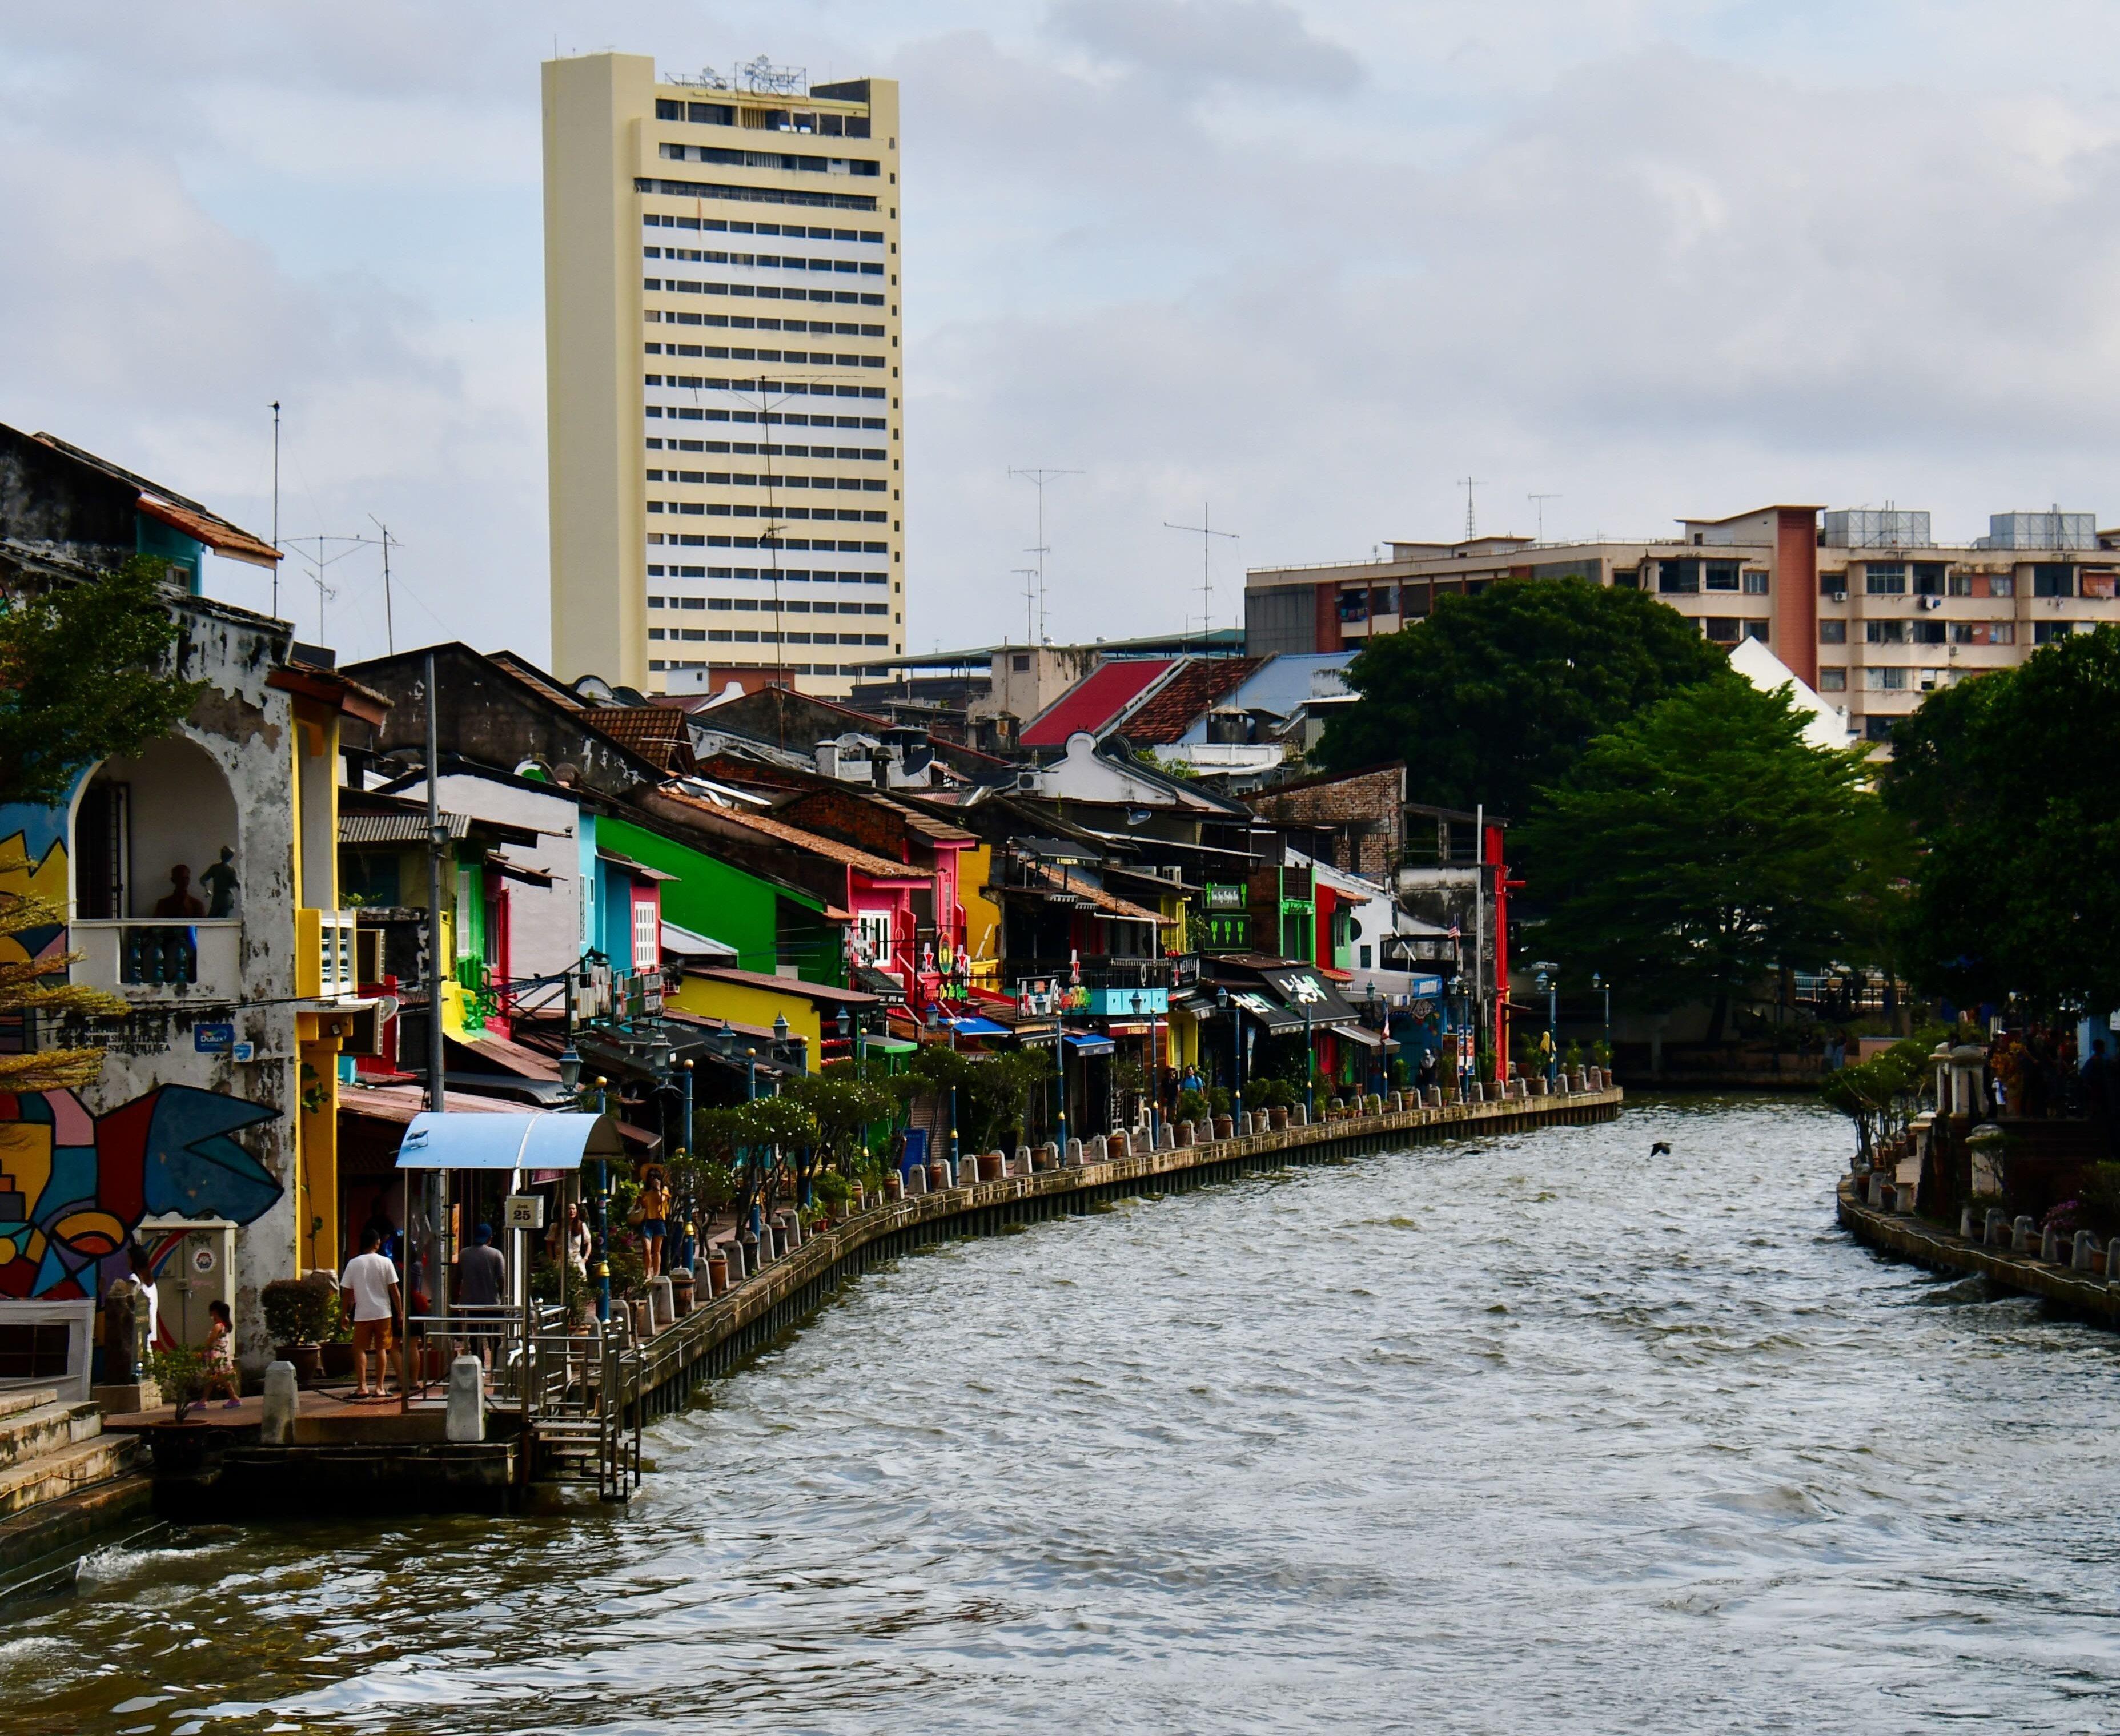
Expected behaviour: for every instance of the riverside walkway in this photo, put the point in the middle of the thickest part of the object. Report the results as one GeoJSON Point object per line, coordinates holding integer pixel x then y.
{"type": "Point", "coordinates": [2009, 1251]}
{"type": "Point", "coordinates": [609, 1386]}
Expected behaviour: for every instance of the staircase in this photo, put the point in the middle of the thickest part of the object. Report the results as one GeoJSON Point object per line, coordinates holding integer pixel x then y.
{"type": "Point", "coordinates": [49, 1449]}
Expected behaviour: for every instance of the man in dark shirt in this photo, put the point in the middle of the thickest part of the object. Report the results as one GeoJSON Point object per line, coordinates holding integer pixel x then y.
{"type": "Point", "coordinates": [482, 1284]}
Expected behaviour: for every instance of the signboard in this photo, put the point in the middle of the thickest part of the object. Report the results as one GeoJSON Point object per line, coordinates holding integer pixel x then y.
{"type": "Point", "coordinates": [213, 1039]}
{"type": "Point", "coordinates": [1427, 988]}
{"type": "Point", "coordinates": [523, 1212]}
{"type": "Point", "coordinates": [244, 1050]}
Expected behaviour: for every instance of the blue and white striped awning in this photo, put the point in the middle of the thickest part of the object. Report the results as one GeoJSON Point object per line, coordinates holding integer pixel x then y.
{"type": "Point", "coordinates": [540, 1139]}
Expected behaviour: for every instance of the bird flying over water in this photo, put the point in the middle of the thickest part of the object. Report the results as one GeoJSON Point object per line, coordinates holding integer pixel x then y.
{"type": "Point", "coordinates": [1662, 1149]}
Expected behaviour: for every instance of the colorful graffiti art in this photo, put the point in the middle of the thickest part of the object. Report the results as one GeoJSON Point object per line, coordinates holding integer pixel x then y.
{"type": "Point", "coordinates": [74, 1186]}
{"type": "Point", "coordinates": [35, 865]}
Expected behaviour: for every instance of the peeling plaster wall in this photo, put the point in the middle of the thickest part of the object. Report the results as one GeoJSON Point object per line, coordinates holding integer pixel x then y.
{"type": "Point", "coordinates": [246, 727]}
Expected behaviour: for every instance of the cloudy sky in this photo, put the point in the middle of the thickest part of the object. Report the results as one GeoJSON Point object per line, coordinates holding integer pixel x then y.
{"type": "Point", "coordinates": [1300, 264]}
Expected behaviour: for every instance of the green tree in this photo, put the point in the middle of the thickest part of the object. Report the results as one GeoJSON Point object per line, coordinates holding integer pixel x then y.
{"type": "Point", "coordinates": [993, 1091]}
{"type": "Point", "coordinates": [2008, 784]}
{"type": "Point", "coordinates": [1493, 697]}
{"type": "Point", "coordinates": [85, 674]}
{"type": "Point", "coordinates": [1703, 844]}
{"type": "Point", "coordinates": [845, 1108]}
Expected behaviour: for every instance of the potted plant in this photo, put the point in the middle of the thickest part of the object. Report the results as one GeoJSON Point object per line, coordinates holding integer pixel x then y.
{"type": "Point", "coordinates": [182, 1445]}
{"type": "Point", "coordinates": [300, 1314]}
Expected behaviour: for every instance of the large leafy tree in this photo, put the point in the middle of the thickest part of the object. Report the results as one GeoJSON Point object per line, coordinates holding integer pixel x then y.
{"type": "Point", "coordinates": [1494, 696]}
{"type": "Point", "coordinates": [1703, 845]}
{"type": "Point", "coordinates": [84, 674]}
{"type": "Point", "coordinates": [2009, 782]}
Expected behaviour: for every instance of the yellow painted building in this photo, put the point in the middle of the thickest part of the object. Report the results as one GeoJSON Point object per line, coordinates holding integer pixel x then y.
{"type": "Point", "coordinates": [722, 365]}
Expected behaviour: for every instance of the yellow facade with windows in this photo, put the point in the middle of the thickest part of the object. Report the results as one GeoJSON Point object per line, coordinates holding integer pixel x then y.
{"type": "Point", "coordinates": [737, 238]}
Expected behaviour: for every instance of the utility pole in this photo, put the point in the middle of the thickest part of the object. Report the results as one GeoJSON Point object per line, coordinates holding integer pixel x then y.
{"type": "Point", "coordinates": [275, 506]}
{"type": "Point", "coordinates": [1206, 531]}
{"type": "Point", "coordinates": [1040, 477]}
{"type": "Point", "coordinates": [437, 1094]}
{"type": "Point", "coordinates": [1538, 504]}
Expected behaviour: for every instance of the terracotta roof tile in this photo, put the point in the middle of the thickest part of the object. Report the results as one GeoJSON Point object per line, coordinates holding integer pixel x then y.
{"type": "Point", "coordinates": [1202, 684]}
{"type": "Point", "coordinates": [877, 867]}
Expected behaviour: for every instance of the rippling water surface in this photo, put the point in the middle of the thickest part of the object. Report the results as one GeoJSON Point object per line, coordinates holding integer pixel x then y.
{"type": "Point", "coordinates": [1532, 1434]}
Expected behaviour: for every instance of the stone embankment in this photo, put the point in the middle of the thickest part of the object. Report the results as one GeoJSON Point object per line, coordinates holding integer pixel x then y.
{"type": "Point", "coordinates": [2011, 1251]}
{"type": "Point", "coordinates": [728, 1326]}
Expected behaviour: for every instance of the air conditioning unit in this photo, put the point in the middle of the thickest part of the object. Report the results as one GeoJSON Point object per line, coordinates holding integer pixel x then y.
{"type": "Point", "coordinates": [366, 1028]}
{"type": "Point", "coordinates": [1840, 597]}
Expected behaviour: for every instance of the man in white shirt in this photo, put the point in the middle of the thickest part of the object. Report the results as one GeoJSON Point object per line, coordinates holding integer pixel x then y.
{"type": "Point", "coordinates": [367, 1292]}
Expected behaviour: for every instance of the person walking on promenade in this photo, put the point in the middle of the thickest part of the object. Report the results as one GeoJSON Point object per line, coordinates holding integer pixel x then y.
{"type": "Point", "coordinates": [2101, 1097]}
{"type": "Point", "coordinates": [651, 1214]}
{"type": "Point", "coordinates": [482, 1285]}
{"type": "Point", "coordinates": [367, 1292]}
{"type": "Point", "coordinates": [220, 1354]}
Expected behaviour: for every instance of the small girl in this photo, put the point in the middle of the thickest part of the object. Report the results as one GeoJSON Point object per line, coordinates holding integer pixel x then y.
{"type": "Point", "coordinates": [220, 1355]}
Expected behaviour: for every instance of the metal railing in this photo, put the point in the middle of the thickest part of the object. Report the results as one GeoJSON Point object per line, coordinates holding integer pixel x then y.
{"type": "Point", "coordinates": [576, 1387]}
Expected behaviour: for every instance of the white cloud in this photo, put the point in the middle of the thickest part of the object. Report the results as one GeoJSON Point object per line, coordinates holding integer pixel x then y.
{"type": "Point", "coordinates": [1661, 256]}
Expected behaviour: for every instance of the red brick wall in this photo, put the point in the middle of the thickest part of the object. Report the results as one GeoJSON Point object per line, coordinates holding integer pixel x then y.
{"type": "Point", "coordinates": [1796, 593]}
{"type": "Point", "coordinates": [1374, 800]}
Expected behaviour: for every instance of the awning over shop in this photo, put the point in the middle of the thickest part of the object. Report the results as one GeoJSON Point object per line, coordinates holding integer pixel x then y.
{"type": "Point", "coordinates": [1086, 1045]}
{"type": "Point", "coordinates": [543, 1138]}
{"type": "Point", "coordinates": [1301, 987]}
{"type": "Point", "coordinates": [977, 1027]}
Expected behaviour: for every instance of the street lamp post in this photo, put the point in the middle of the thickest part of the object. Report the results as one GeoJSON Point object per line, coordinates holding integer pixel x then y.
{"type": "Point", "coordinates": [1309, 1071]}
{"type": "Point", "coordinates": [1235, 1016]}
{"type": "Point", "coordinates": [603, 1222]}
{"type": "Point", "coordinates": [1457, 1010]}
{"type": "Point", "coordinates": [1549, 985]}
{"type": "Point", "coordinates": [1597, 982]}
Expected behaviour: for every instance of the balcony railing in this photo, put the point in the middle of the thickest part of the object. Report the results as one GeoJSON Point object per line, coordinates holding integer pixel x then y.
{"type": "Point", "coordinates": [150, 960]}
{"type": "Point", "coordinates": [1106, 972]}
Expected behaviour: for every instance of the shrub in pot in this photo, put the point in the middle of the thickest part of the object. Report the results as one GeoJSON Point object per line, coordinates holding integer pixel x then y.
{"type": "Point", "coordinates": [301, 1314]}
{"type": "Point", "coordinates": [180, 1372]}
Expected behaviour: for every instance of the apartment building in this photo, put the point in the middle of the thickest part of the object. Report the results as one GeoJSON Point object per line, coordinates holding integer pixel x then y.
{"type": "Point", "coordinates": [1865, 605]}
{"type": "Point", "coordinates": [722, 345]}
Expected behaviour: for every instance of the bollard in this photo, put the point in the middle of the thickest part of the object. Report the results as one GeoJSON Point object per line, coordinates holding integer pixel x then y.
{"type": "Point", "coordinates": [2050, 1247]}
{"type": "Point", "coordinates": [1118, 1143]}
{"type": "Point", "coordinates": [1074, 1157]}
{"type": "Point", "coordinates": [1023, 1160]}
{"type": "Point", "coordinates": [1995, 1229]}
{"type": "Point", "coordinates": [1479, 1093]}
{"type": "Point", "coordinates": [1299, 1115]}
{"type": "Point", "coordinates": [916, 1180]}
{"type": "Point", "coordinates": [1965, 1222]}
{"type": "Point", "coordinates": [1244, 1125]}
{"type": "Point", "coordinates": [1166, 1138]}
{"type": "Point", "coordinates": [467, 1417]}
{"type": "Point", "coordinates": [1876, 1187]}
{"type": "Point", "coordinates": [2079, 1253]}
{"type": "Point", "coordinates": [1434, 1097]}
{"type": "Point", "coordinates": [661, 1309]}
{"type": "Point", "coordinates": [1184, 1136]}
{"type": "Point", "coordinates": [2021, 1232]}
{"type": "Point", "coordinates": [281, 1401]}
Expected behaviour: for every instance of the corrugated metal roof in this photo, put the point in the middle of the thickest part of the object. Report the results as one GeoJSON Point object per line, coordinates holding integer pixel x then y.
{"type": "Point", "coordinates": [655, 732]}
{"type": "Point", "coordinates": [395, 829]}
{"type": "Point", "coordinates": [214, 531]}
{"type": "Point", "coordinates": [1095, 701]}
{"type": "Point", "coordinates": [875, 867]}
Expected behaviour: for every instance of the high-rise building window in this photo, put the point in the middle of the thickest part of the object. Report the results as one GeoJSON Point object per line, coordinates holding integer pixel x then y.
{"type": "Point", "coordinates": [1833, 633]}
{"type": "Point", "coordinates": [1831, 680]}
{"type": "Point", "coordinates": [1886, 579]}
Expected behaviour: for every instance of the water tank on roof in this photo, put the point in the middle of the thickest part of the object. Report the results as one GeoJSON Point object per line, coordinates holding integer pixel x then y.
{"type": "Point", "coordinates": [2050, 530]}
{"type": "Point", "coordinates": [1869, 527]}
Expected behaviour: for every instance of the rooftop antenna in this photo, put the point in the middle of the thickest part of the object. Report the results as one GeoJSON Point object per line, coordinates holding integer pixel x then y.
{"type": "Point", "coordinates": [1538, 502]}
{"type": "Point", "coordinates": [1206, 532]}
{"type": "Point", "coordinates": [275, 506]}
{"type": "Point", "coordinates": [1468, 484]}
{"type": "Point", "coordinates": [1027, 574]}
{"type": "Point", "coordinates": [389, 632]}
{"type": "Point", "coordinates": [1041, 475]}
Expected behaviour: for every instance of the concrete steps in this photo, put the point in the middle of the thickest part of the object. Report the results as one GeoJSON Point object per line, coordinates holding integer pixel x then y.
{"type": "Point", "coordinates": [62, 1471]}
{"type": "Point", "coordinates": [32, 1430]}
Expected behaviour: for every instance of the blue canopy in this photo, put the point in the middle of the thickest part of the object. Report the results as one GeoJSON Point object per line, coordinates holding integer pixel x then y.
{"type": "Point", "coordinates": [1089, 1043]}
{"type": "Point", "coordinates": [972, 1026]}
{"type": "Point", "coordinates": [539, 1139]}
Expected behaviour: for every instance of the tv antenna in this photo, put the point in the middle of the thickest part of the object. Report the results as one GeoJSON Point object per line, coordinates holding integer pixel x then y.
{"type": "Point", "coordinates": [389, 631]}
{"type": "Point", "coordinates": [276, 505]}
{"type": "Point", "coordinates": [1468, 484]}
{"type": "Point", "coordinates": [1028, 575]}
{"type": "Point", "coordinates": [1040, 476]}
{"type": "Point", "coordinates": [1538, 505]}
{"type": "Point", "coordinates": [1206, 532]}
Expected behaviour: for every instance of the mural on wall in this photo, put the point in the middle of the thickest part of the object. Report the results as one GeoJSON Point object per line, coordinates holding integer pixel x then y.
{"type": "Point", "coordinates": [74, 1186]}
{"type": "Point", "coordinates": [33, 863]}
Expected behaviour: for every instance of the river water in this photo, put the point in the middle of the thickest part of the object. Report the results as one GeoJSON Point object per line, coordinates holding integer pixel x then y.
{"type": "Point", "coordinates": [1535, 1433]}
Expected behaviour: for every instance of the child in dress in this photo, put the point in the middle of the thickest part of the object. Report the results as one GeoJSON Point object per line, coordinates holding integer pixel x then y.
{"type": "Point", "coordinates": [220, 1355]}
